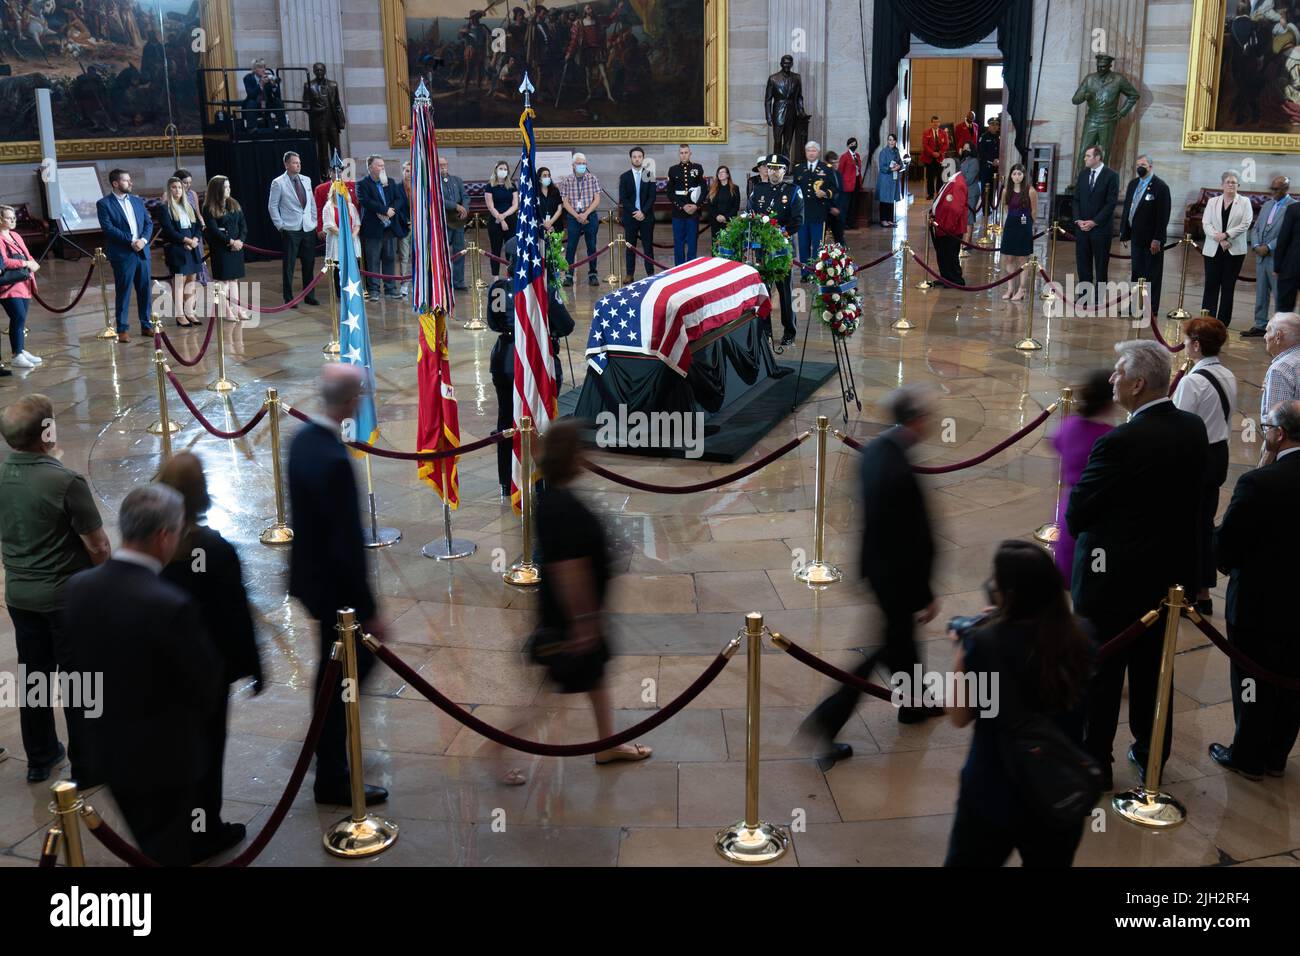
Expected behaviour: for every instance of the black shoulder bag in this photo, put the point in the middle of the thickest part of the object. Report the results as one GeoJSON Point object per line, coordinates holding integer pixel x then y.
{"type": "Point", "coordinates": [1223, 398]}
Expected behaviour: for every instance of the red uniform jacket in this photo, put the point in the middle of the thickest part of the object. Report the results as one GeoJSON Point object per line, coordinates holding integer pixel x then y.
{"type": "Point", "coordinates": [968, 134]}
{"type": "Point", "coordinates": [950, 207]}
{"type": "Point", "coordinates": [934, 145]}
{"type": "Point", "coordinates": [850, 170]}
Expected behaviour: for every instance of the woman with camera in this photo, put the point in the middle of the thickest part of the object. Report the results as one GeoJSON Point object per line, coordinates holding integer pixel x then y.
{"type": "Point", "coordinates": [1034, 658]}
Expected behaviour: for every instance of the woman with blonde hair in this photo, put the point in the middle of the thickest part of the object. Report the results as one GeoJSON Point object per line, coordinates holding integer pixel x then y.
{"type": "Point", "coordinates": [16, 296]}
{"type": "Point", "coordinates": [182, 230]}
{"type": "Point", "coordinates": [502, 199]}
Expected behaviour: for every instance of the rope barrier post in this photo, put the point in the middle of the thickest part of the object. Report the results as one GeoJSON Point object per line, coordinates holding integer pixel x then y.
{"type": "Point", "coordinates": [1048, 292]}
{"type": "Point", "coordinates": [280, 532]}
{"type": "Point", "coordinates": [817, 574]}
{"type": "Point", "coordinates": [1174, 331]}
{"type": "Point", "coordinates": [751, 840]}
{"type": "Point", "coordinates": [332, 347]}
{"type": "Point", "coordinates": [164, 426]}
{"type": "Point", "coordinates": [359, 834]}
{"type": "Point", "coordinates": [1178, 312]}
{"type": "Point", "coordinates": [1029, 343]}
{"type": "Point", "coordinates": [222, 384]}
{"type": "Point", "coordinates": [66, 806]}
{"type": "Point", "coordinates": [101, 261]}
{"type": "Point", "coordinates": [52, 846]}
{"type": "Point", "coordinates": [901, 324]}
{"type": "Point", "coordinates": [925, 282]}
{"type": "Point", "coordinates": [1146, 805]}
{"type": "Point", "coordinates": [1050, 533]}
{"type": "Point", "coordinates": [612, 278]}
{"type": "Point", "coordinates": [524, 573]}
{"type": "Point", "coordinates": [478, 286]}
{"type": "Point", "coordinates": [1143, 302]}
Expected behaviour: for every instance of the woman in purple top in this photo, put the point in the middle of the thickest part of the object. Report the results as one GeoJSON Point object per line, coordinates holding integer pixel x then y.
{"type": "Point", "coordinates": [1073, 441]}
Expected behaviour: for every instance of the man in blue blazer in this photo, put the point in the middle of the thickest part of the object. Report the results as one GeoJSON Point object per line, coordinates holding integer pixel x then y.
{"type": "Point", "coordinates": [127, 229]}
{"type": "Point", "coordinates": [378, 197]}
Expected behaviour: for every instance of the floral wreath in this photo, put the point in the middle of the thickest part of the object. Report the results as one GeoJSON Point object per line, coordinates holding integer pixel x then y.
{"type": "Point", "coordinates": [838, 303]}
{"type": "Point", "coordinates": [759, 233]}
{"type": "Point", "coordinates": [556, 264]}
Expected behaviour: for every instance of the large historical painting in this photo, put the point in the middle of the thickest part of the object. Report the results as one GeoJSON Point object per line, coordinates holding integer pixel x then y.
{"type": "Point", "coordinates": [1243, 89]}
{"type": "Point", "coordinates": [610, 70]}
{"type": "Point", "coordinates": [113, 68]}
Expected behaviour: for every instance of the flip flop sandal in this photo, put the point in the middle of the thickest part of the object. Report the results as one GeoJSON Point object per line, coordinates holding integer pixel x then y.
{"type": "Point", "coordinates": [513, 778]}
{"type": "Point", "coordinates": [641, 753]}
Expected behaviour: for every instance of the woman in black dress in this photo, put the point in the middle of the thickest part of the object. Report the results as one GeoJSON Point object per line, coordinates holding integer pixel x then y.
{"type": "Point", "coordinates": [724, 200]}
{"type": "Point", "coordinates": [1017, 230]}
{"type": "Point", "coordinates": [502, 199]}
{"type": "Point", "coordinates": [549, 204]}
{"type": "Point", "coordinates": [182, 232]}
{"type": "Point", "coordinates": [207, 568]}
{"type": "Point", "coordinates": [225, 230]}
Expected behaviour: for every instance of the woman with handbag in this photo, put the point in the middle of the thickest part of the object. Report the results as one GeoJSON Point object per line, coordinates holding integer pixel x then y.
{"type": "Point", "coordinates": [182, 232]}
{"type": "Point", "coordinates": [1031, 658]}
{"type": "Point", "coordinates": [226, 231]}
{"type": "Point", "coordinates": [17, 284]}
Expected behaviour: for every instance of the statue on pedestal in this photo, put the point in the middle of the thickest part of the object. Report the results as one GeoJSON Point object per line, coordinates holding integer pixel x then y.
{"type": "Point", "coordinates": [1110, 97]}
{"type": "Point", "coordinates": [783, 105]}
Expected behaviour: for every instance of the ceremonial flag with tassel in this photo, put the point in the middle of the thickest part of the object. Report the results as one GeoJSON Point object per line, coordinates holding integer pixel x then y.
{"type": "Point", "coordinates": [432, 299]}
{"type": "Point", "coordinates": [535, 391]}
{"type": "Point", "coordinates": [354, 331]}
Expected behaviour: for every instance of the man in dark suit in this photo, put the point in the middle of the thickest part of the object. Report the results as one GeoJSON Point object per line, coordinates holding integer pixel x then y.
{"type": "Point", "coordinates": [127, 229]}
{"type": "Point", "coordinates": [1286, 261]}
{"type": "Point", "coordinates": [379, 198]}
{"type": "Point", "coordinates": [162, 679]}
{"type": "Point", "coordinates": [1096, 192]}
{"type": "Point", "coordinates": [263, 103]}
{"type": "Point", "coordinates": [897, 562]}
{"type": "Point", "coordinates": [1123, 565]}
{"type": "Point", "coordinates": [327, 561]}
{"type": "Point", "coordinates": [1255, 546]}
{"type": "Point", "coordinates": [686, 189]}
{"type": "Point", "coordinates": [1145, 222]}
{"type": "Point", "coordinates": [636, 197]}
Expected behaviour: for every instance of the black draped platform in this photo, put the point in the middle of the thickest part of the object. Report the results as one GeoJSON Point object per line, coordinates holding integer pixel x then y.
{"type": "Point", "coordinates": [735, 380]}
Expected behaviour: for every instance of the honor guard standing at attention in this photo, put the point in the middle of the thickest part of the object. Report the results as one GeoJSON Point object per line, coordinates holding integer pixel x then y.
{"type": "Point", "coordinates": [817, 183]}
{"type": "Point", "coordinates": [686, 187]}
{"type": "Point", "coordinates": [783, 201]}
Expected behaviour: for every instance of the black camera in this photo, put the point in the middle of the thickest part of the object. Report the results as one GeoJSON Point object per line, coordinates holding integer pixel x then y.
{"type": "Point", "coordinates": [963, 625]}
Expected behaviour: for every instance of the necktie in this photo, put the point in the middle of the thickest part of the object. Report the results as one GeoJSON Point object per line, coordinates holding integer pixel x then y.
{"type": "Point", "coordinates": [298, 190]}
{"type": "Point", "coordinates": [1092, 182]}
{"type": "Point", "coordinates": [1273, 212]}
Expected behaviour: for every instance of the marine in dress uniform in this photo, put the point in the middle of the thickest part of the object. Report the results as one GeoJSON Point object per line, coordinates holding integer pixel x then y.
{"type": "Point", "coordinates": [783, 201]}
{"type": "Point", "coordinates": [686, 188]}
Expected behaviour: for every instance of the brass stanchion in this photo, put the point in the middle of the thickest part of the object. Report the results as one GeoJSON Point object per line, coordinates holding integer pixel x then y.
{"type": "Point", "coordinates": [751, 840]}
{"type": "Point", "coordinates": [66, 806]}
{"type": "Point", "coordinates": [280, 532]}
{"type": "Point", "coordinates": [360, 833]}
{"type": "Point", "coordinates": [524, 573]}
{"type": "Point", "coordinates": [477, 284]}
{"type": "Point", "coordinates": [1048, 290]}
{"type": "Point", "coordinates": [332, 347]}
{"type": "Point", "coordinates": [1178, 312]}
{"type": "Point", "coordinates": [1050, 533]}
{"type": "Point", "coordinates": [1029, 343]}
{"type": "Point", "coordinates": [612, 278]}
{"type": "Point", "coordinates": [1143, 302]}
{"type": "Point", "coordinates": [1146, 805]}
{"type": "Point", "coordinates": [817, 574]}
{"type": "Point", "coordinates": [164, 426]}
{"type": "Point", "coordinates": [101, 262]}
{"type": "Point", "coordinates": [925, 282]}
{"type": "Point", "coordinates": [222, 384]}
{"type": "Point", "coordinates": [901, 324]}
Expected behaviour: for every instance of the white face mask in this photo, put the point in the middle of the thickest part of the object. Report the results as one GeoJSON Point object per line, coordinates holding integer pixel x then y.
{"type": "Point", "coordinates": [502, 172]}
{"type": "Point", "coordinates": [546, 180]}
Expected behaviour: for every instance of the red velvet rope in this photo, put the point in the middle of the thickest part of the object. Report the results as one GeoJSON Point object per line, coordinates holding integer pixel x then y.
{"type": "Point", "coordinates": [965, 288]}
{"type": "Point", "coordinates": [1122, 640]}
{"type": "Point", "coordinates": [447, 706]}
{"type": "Point", "coordinates": [385, 275]}
{"type": "Point", "coordinates": [637, 252]}
{"type": "Point", "coordinates": [978, 248]}
{"type": "Point", "coordinates": [50, 859]}
{"type": "Point", "coordinates": [703, 485]}
{"type": "Point", "coordinates": [198, 415]}
{"type": "Point", "coordinates": [85, 283]}
{"type": "Point", "coordinates": [599, 252]}
{"type": "Point", "coordinates": [1177, 378]}
{"type": "Point", "coordinates": [1155, 327]}
{"type": "Point", "coordinates": [1244, 662]}
{"type": "Point", "coordinates": [970, 462]}
{"type": "Point", "coordinates": [1070, 237]}
{"type": "Point", "coordinates": [1092, 313]}
{"type": "Point", "coordinates": [370, 449]}
{"type": "Point", "coordinates": [830, 670]}
{"type": "Point", "coordinates": [504, 262]}
{"type": "Point", "coordinates": [160, 337]}
{"type": "Point", "coordinates": [273, 309]}
{"type": "Point", "coordinates": [277, 253]}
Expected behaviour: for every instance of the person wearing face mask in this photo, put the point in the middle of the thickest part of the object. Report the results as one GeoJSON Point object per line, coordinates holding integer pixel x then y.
{"type": "Point", "coordinates": [581, 196]}
{"type": "Point", "coordinates": [636, 198]}
{"type": "Point", "coordinates": [889, 162]}
{"type": "Point", "coordinates": [455, 207]}
{"type": "Point", "coordinates": [550, 207]}
{"type": "Point", "coordinates": [850, 171]}
{"type": "Point", "coordinates": [502, 200]}
{"type": "Point", "coordinates": [1145, 223]}
{"type": "Point", "coordinates": [1226, 221]}
{"type": "Point", "coordinates": [1263, 239]}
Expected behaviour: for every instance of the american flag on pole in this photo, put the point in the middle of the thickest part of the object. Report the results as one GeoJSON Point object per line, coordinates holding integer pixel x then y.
{"type": "Point", "coordinates": [354, 332]}
{"type": "Point", "coordinates": [664, 313]}
{"type": "Point", "coordinates": [432, 300]}
{"type": "Point", "coordinates": [535, 391]}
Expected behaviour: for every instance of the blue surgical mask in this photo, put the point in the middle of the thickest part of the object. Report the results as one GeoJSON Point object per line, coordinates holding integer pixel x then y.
{"type": "Point", "coordinates": [580, 168]}
{"type": "Point", "coordinates": [546, 180]}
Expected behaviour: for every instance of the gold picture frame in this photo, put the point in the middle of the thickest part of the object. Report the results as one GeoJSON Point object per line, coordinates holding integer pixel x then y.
{"type": "Point", "coordinates": [214, 17]}
{"type": "Point", "coordinates": [714, 129]}
{"type": "Point", "coordinates": [1209, 40]}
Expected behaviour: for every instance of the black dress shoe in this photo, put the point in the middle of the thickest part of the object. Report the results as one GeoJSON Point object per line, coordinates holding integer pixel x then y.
{"type": "Point", "coordinates": [592, 279]}
{"type": "Point", "coordinates": [1252, 333]}
{"type": "Point", "coordinates": [311, 300]}
{"type": "Point", "coordinates": [1222, 755]}
{"type": "Point", "coordinates": [787, 340]}
{"type": "Point", "coordinates": [1205, 607]}
{"type": "Point", "coordinates": [40, 772]}
{"type": "Point", "coordinates": [917, 715]}
{"type": "Point", "coordinates": [832, 755]}
{"type": "Point", "coordinates": [223, 838]}
{"type": "Point", "coordinates": [342, 795]}
{"type": "Point", "coordinates": [1271, 771]}
{"type": "Point", "coordinates": [1107, 780]}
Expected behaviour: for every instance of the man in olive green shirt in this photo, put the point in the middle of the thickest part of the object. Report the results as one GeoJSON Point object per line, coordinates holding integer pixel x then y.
{"type": "Point", "coordinates": [49, 530]}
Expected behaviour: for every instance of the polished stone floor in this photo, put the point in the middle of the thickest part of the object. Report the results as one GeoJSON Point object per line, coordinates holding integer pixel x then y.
{"type": "Point", "coordinates": [689, 569]}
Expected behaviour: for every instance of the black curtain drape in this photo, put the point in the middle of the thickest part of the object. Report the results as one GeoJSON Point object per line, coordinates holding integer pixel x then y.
{"type": "Point", "coordinates": [952, 24]}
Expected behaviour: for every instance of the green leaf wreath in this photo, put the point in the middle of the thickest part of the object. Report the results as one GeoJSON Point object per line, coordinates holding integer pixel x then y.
{"type": "Point", "coordinates": [773, 253]}
{"type": "Point", "coordinates": [556, 264]}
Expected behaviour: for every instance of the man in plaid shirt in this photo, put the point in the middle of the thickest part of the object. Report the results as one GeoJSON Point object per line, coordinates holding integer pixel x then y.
{"type": "Point", "coordinates": [580, 194]}
{"type": "Point", "coordinates": [1282, 380]}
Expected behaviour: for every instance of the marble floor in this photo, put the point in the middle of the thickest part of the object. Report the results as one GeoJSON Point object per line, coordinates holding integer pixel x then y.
{"type": "Point", "coordinates": [689, 569]}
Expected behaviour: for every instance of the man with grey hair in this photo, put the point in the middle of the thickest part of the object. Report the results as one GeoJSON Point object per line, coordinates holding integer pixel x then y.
{"type": "Point", "coordinates": [1123, 564]}
{"type": "Point", "coordinates": [817, 183]}
{"type": "Point", "coordinates": [897, 562]}
{"type": "Point", "coordinates": [580, 194]}
{"type": "Point", "coordinates": [378, 198]}
{"type": "Point", "coordinates": [50, 529]}
{"type": "Point", "coordinates": [1255, 544]}
{"type": "Point", "coordinates": [162, 678]}
{"type": "Point", "coordinates": [1263, 239]}
{"type": "Point", "coordinates": [1145, 223]}
{"type": "Point", "coordinates": [1282, 379]}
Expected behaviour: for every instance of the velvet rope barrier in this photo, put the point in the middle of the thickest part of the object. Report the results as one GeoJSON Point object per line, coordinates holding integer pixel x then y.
{"type": "Point", "coordinates": [503, 261]}
{"type": "Point", "coordinates": [447, 706]}
{"type": "Point", "coordinates": [198, 415]}
{"type": "Point", "coordinates": [1070, 237]}
{"type": "Point", "coordinates": [50, 849]}
{"type": "Point", "coordinates": [375, 450]}
{"type": "Point", "coordinates": [1241, 660]}
{"type": "Point", "coordinates": [85, 283]}
{"type": "Point", "coordinates": [637, 252]}
{"type": "Point", "coordinates": [827, 669]}
{"type": "Point", "coordinates": [712, 483]}
{"type": "Point", "coordinates": [385, 275]}
{"type": "Point", "coordinates": [1089, 313]}
{"type": "Point", "coordinates": [582, 262]}
{"type": "Point", "coordinates": [1155, 327]}
{"type": "Point", "coordinates": [273, 309]}
{"type": "Point", "coordinates": [277, 253]}
{"type": "Point", "coordinates": [965, 288]}
{"type": "Point", "coordinates": [1126, 637]}
{"type": "Point", "coordinates": [978, 248]}
{"type": "Point", "coordinates": [1173, 386]}
{"type": "Point", "coordinates": [160, 338]}
{"type": "Point", "coordinates": [669, 245]}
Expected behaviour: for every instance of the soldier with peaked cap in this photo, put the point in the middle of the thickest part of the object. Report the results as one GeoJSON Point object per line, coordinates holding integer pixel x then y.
{"type": "Point", "coordinates": [780, 199]}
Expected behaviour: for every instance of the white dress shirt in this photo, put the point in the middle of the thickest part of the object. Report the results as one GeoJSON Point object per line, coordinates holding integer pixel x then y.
{"type": "Point", "coordinates": [1286, 451]}
{"type": "Point", "coordinates": [1194, 394]}
{"type": "Point", "coordinates": [129, 211]}
{"type": "Point", "coordinates": [131, 556]}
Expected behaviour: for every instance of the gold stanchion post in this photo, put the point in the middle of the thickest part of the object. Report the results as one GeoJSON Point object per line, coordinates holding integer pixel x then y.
{"type": "Point", "coordinates": [222, 384]}
{"type": "Point", "coordinates": [164, 426]}
{"type": "Point", "coordinates": [1146, 805]}
{"type": "Point", "coordinates": [101, 263]}
{"type": "Point", "coordinates": [332, 347]}
{"type": "Point", "coordinates": [360, 833]}
{"type": "Point", "coordinates": [280, 532]}
{"type": "Point", "coordinates": [1048, 292]}
{"type": "Point", "coordinates": [1178, 312]}
{"type": "Point", "coordinates": [751, 840]}
{"type": "Point", "coordinates": [817, 574]}
{"type": "Point", "coordinates": [612, 278]}
{"type": "Point", "coordinates": [524, 573]}
{"type": "Point", "coordinates": [902, 324]}
{"type": "Point", "coordinates": [66, 806]}
{"type": "Point", "coordinates": [925, 282]}
{"type": "Point", "coordinates": [1029, 343]}
{"type": "Point", "coordinates": [477, 284]}
{"type": "Point", "coordinates": [1050, 533]}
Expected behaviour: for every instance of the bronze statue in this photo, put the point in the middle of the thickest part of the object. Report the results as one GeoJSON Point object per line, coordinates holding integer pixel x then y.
{"type": "Point", "coordinates": [783, 105]}
{"type": "Point", "coordinates": [324, 114]}
{"type": "Point", "coordinates": [1110, 97]}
